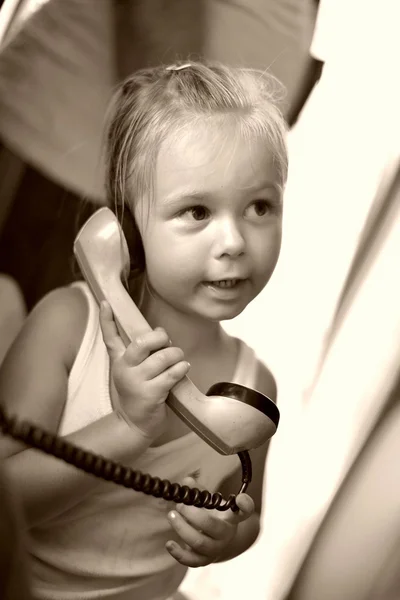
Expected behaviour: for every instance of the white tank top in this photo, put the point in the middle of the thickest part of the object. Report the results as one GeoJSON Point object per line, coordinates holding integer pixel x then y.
{"type": "Point", "coordinates": [112, 544]}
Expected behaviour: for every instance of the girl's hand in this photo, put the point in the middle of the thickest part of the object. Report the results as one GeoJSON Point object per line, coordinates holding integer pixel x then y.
{"type": "Point", "coordinates": [141, 374]}
{"type": "Point", "coordinates": [207, 534]}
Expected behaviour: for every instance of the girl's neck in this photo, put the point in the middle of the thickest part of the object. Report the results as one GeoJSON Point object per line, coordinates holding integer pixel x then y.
{"type": "Point", "coordinates": [190, 333]}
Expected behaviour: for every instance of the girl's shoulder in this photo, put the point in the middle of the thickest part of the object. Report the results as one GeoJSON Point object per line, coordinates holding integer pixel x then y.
{"type": "Point", "coordinates": [62, 316]}
{"type": "Point", "coordinates": [34, 374]}
{"type": "Point", "coordinates": [266, 382]}
{"type": "Point", "coordinates": [252, 371]}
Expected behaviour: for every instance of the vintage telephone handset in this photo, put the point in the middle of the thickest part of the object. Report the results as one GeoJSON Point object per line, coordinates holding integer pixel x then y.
{"type": "Point", "coordinates": [230, 418]}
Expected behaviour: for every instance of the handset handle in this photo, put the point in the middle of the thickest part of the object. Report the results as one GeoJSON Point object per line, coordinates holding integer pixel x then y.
{"type": "Point", "coordinates": [102, 254]}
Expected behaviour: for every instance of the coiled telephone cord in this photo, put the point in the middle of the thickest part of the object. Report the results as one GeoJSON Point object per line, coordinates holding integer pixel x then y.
{"type": "Point", "coordinates": [117, 473]}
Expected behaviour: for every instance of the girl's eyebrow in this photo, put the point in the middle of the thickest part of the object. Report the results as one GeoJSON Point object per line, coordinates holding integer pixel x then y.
{"type": "Point", "coordinates": [184, 195]}
{"type": "Point", "coordinates": [266, 185]}
{"type": "Point", "coordinates": [199, 196]}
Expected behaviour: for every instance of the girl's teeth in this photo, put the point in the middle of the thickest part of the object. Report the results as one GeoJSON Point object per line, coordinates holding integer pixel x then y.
{"type": "Point", "coordinates": [225, 283]}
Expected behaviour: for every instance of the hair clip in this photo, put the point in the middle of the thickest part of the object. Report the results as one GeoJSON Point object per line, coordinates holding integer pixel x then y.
{"type": "Point", "coordinates": [178, 67]}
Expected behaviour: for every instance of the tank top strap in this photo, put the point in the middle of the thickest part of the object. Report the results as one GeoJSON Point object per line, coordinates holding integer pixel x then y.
{"type": "Point", "coordinates": [247, 366]}
{"type": "Point", "coordinates": [89, 337]}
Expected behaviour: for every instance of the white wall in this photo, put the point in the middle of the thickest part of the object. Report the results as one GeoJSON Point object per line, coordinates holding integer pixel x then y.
{"type": "Point", "coordinates": [338, 152]}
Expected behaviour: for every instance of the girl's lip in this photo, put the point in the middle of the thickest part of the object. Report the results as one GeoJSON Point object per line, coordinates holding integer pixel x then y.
{"type": "Point", "coordinates": [226, 279]}
{"type": "Point", "coordinates": [225, 292]}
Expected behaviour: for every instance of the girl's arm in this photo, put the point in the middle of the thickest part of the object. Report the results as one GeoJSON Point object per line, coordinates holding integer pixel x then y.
{"type": "Point", "coordinates": [33, 386]}
{"type": "Point", "coordinates": [249, 530]}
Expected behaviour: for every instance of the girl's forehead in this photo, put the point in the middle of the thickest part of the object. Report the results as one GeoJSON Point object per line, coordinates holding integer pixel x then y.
{"type": "Point", "coordinates": [205, 157]}
{"type": "Point", "coordinates": [208, 135]}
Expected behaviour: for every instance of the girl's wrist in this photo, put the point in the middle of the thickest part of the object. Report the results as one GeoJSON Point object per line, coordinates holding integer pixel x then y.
{"type": "Point", "coordinates": [121, 414]}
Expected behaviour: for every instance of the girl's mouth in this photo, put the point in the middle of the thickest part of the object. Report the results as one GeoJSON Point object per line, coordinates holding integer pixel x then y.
{"type": "Point", "coordinates": [225, 283]}
{"type": "Point", "coordinates": [226, 289]}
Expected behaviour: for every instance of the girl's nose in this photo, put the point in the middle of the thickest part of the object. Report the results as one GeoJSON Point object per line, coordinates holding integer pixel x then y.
{"type": "Point", "coordinates": [229, 239]}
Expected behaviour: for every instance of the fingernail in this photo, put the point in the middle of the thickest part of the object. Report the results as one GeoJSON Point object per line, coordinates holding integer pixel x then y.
{"type": "Point", "coordinates": [172, 516]}
{"type": "Point", "coordinates": [188, 364]}
{"type": "Point", "coordinates": [170, 546]}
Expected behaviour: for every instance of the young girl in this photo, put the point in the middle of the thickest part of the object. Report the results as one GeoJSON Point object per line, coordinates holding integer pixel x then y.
{"type": "Point", "coordinates": [197, 164]}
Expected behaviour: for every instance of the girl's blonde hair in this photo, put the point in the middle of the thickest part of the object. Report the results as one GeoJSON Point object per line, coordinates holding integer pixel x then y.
{"type": "Point", "coordinates": [153, 103]}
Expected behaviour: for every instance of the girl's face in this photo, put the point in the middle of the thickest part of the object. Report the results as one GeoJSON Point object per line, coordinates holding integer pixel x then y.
{"type": "Point", "coordinates": [212, 236]}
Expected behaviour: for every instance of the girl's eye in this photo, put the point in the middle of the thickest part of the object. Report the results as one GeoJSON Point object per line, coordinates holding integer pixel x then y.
{"type": "Point", "coordinates": [261, 207]}
{"type": "Point", "coordinates": [198, 213]}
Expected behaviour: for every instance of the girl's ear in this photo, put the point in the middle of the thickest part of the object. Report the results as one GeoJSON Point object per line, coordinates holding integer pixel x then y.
{"type": "Point", "coordinates": [134, 241]}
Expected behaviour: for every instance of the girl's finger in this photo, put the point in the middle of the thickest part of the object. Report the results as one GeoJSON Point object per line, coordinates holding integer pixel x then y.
{"type": "Point", "coordinates": [171, 376]}
{"type": "Point", "coordinates": [246, 508]}
{"type": "Point", "coordinates": [160, 361]}
{"type": "Point", "coordinates": [207, 521]}
{"type": "Point", "coordinates": [186, 556]}
{"type": "Point", "coordinates": [195, 539]}
{"type": "Point", "coordinates": [144, 345]}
